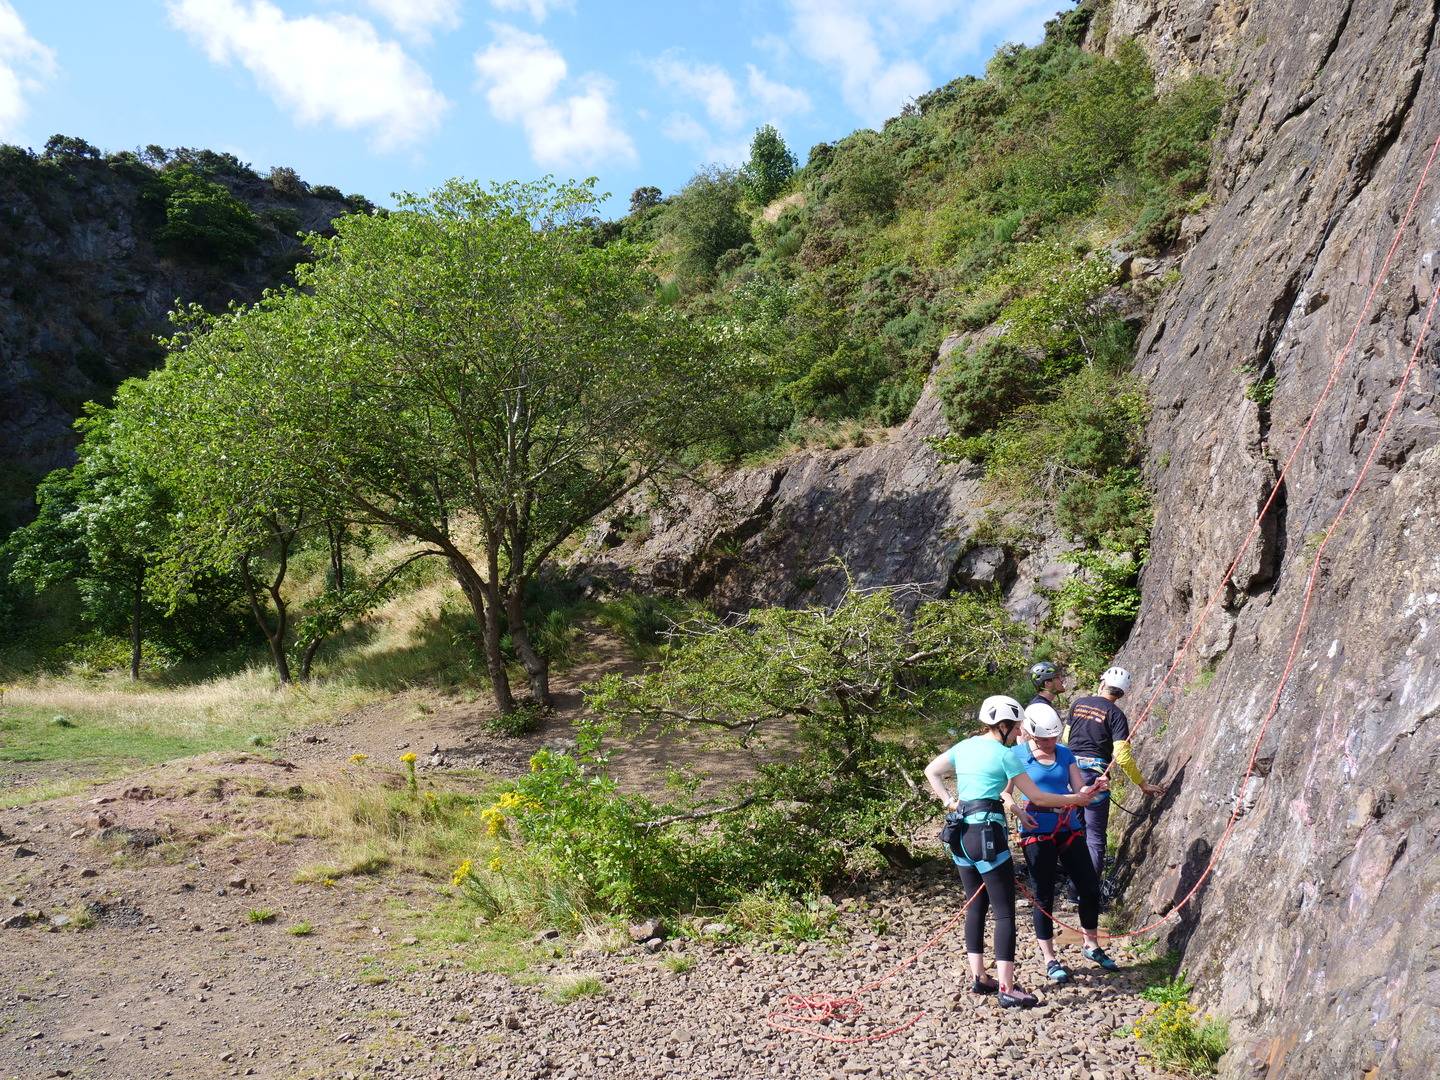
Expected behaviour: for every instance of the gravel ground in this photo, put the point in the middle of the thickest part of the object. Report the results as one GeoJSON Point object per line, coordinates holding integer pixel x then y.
{"type": "Point", "coordinates": [172, 979]}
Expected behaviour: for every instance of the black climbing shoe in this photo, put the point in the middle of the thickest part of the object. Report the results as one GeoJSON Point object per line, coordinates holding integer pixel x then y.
{"type": "Point", "coordinates": [978, 987]}
{"type": "Point", "coordinates": [1101, 957]}
{"type": "Point", "coordinates": [1015, 998]}
{"type": "Point", "coordinates": [1056, 972]}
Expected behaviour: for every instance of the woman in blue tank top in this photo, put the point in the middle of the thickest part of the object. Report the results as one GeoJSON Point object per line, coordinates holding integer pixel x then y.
{"type": "Point", "coordinates": [1051, 838]}
{"type": "Point", "coordinates": [983, 768]}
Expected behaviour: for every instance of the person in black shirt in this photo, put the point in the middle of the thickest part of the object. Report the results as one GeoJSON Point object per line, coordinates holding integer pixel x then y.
{"type": "Point", "coordinates": [1048, 680]}
{"type": "Point", "coordinates": [1097, 734]}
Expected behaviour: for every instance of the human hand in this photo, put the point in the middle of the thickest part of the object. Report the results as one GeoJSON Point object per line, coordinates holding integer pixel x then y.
{"type": "Point", "coordinates": [1025, 818]}
{"type": "Point", "coordinates": [1153, 790]}
{"type": "Point", "coordinates": [1092, 791]}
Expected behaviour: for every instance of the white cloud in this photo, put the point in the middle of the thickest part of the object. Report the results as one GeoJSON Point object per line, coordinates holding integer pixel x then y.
{"type": "Point", "coordinates": [707, 83]}
{"type": "Point", "coordinates": [538, 9]}
{"type": "Point", "coordinates": [24, 66]}
{"type": "Point", "coordinates": [332, 68]}
{"type": "Point", "coordinates": [416, 18]}
{"type": "Point", "coordinates": [682, 127]}
{"type": "Point", "coordinates": [870, 46]}
{"type": "Point", "coordinates": [521, 75]}
{"type": "Point", "coordinates": [1013, 20]}
{"type": "Point", "coordinates": [776, 99]}
{"type": "Point", "coordinates": [841, 35]}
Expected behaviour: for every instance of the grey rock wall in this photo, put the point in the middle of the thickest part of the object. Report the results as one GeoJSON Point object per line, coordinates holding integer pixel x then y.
{"type": "Point", "coordinates": [1319, 930]}
{"type": "Point", "coordinates": [83, 294]}
{"type": "Point", "coordinates": [891, 512]}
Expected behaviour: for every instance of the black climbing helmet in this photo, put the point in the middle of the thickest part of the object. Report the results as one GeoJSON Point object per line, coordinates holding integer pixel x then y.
{"type": "Point", "coordinates": [1043, 672]}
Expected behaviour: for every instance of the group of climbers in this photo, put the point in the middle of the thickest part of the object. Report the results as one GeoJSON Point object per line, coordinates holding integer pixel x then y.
{"type": "Point", "coordinates": [1060, 772]}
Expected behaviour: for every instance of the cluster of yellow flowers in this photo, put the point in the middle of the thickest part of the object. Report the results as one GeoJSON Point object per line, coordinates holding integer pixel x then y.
{"type": "Point", "coordinates": [513, 800]}
{"type": "Point", "coordinates": [1170, 1024]}
{"type": "Point", "coordinates": [461, 873]}
{"type": "Point", "coordinates": [408, 758]}
{"type": "Point", "coordinates": [494, 819]}
{"type": "Point", "coordinates": [359, 759]}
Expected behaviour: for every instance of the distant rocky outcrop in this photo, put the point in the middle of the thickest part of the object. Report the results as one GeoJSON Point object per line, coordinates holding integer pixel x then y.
{"type": "Point", "coordinates": [800, 529]}
{"type": "Point", "coordinates": [1319, 931]}
{"type": "Point", "coordinates": [86, 281]}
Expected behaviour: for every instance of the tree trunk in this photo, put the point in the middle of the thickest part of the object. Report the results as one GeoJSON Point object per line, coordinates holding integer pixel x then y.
{"type": "Point", "coordinates": [488, 618]}
{"type": "Point", "coordinates": [307, 658]}
{"type": "Point", "coordinates": [275, 638]}
{"type": "Point", "coordinates": [536, 666]}
{"type": "Point", "coordinates": [136, 637]}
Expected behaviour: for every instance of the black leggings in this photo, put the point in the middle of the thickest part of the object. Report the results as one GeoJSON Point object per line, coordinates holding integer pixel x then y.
{"type": "Point", "coordinates": [1070, 853]}
{"type": "Point", "coordinates": [1000, 894]}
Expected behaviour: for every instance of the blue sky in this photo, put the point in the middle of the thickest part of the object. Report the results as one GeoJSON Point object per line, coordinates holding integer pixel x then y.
{"type": "Point", "coordinates": [377, 96]}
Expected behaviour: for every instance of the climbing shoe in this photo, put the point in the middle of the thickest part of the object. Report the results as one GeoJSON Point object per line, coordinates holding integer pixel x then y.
{"type": "Point", "coordinates": [980, 987]}
{"type": "Point", "coordinates": [1015, 998]}
{"type": "Point", "coordinates": [1101, 957]}
{"type": "Point", "coordinates": [1057, 973]}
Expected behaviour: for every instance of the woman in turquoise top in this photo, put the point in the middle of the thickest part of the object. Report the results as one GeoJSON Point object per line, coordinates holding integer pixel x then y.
{"type": "Point", "coordinates": [982, 768]}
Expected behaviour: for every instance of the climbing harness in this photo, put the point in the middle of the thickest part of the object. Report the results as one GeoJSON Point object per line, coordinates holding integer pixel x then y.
{"type": "Point", "coordinates": [822, 1008]}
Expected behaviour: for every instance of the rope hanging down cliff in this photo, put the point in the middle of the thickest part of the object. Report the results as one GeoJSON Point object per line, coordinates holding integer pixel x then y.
{"type": "Point", "coordinates": [820, 1008]}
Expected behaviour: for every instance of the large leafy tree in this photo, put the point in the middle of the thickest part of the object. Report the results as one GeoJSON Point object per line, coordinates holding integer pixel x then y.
{"type": "Point", "coordinates": [472, 372]}
{"type": "Point", "coordinates": [99, 526]}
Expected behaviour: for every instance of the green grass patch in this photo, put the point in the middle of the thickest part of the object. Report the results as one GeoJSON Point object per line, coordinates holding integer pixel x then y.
{"type": "Point", "coordinates": [45, 790]}
{"type": "Point", "coordinates": [678, 964]}
{"type": "Point", "coordinates": [302, 929]}
{"type": "Point", "coordinates": [31, 734]}
{"type": "Point", "coordinates": [568, 988]}
{"type": "Point", "coordinates": [260, 916]}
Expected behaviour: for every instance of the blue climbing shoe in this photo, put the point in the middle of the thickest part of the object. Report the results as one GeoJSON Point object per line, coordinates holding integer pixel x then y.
{"type": "Point", "coordinates": [1057, 973]}
{"type": "Point", "coordinates": [1101, 957]}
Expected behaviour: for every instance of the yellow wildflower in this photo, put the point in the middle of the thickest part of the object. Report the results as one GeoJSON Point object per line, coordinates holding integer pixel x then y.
{"type": "Point", "coordinates": [408, 758]}
{"type": "Point", "coordinates": [495, 864]}
{"type": "Point", "coordinates": [461, 873]}
{"type": "Point", "coordinates": [328, 882]}
{"type": "Point", "coordinates": [359, 759]}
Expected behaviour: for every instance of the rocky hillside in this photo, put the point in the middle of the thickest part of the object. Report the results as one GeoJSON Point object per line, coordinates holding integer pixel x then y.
{"type": "Point", "coordinates": [1318, 929]}
{"type": "Point", "coordinates": [95, 250]}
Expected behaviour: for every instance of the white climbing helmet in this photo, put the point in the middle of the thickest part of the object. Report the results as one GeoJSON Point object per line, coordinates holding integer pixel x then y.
{"type": "Point", "coordinates": [1116, 678]}
{"type": "Point", "coordinates": [997, 709]}
{"type": "Point", "coordinates": [1042, 722]}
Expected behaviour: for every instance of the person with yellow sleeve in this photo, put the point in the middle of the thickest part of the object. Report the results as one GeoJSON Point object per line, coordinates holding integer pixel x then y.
{"type": "Point", "coordinates": [1097, 734]}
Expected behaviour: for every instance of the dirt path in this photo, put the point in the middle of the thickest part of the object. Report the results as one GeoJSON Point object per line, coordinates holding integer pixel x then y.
{"type": "Point", "coordinates": [174, 979]}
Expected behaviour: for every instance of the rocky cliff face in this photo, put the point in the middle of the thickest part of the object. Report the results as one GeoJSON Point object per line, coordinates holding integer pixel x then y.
{"type": "Point", "coordinates": [798, 531]}
{"type": "Point", "coordinates": [1319, 930]}
{"type": "Point", "coordinates": [84, 291]}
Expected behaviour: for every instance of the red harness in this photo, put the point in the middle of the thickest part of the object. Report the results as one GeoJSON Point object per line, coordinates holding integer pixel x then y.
{"type": "Point", "coordinates": [1062, 819]}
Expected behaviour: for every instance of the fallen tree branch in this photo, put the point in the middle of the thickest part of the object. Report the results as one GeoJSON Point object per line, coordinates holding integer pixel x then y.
{"type": "Point", "coordinates": [699, 815]}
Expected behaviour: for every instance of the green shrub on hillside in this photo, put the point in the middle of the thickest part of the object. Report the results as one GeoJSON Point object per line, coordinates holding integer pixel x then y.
{"type": "Point", "coordinates": [705, 220]}
{"type": "Point", "coordinates": [770, 167]}
{"type": "Point", "coordinates": [199, 218]}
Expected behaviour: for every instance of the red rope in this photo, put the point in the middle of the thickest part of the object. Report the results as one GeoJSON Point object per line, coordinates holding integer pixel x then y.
{"type": "Point", "coordinates": [1311, 587]}
{"type": "Point", "coordinates": [821, 1008]}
